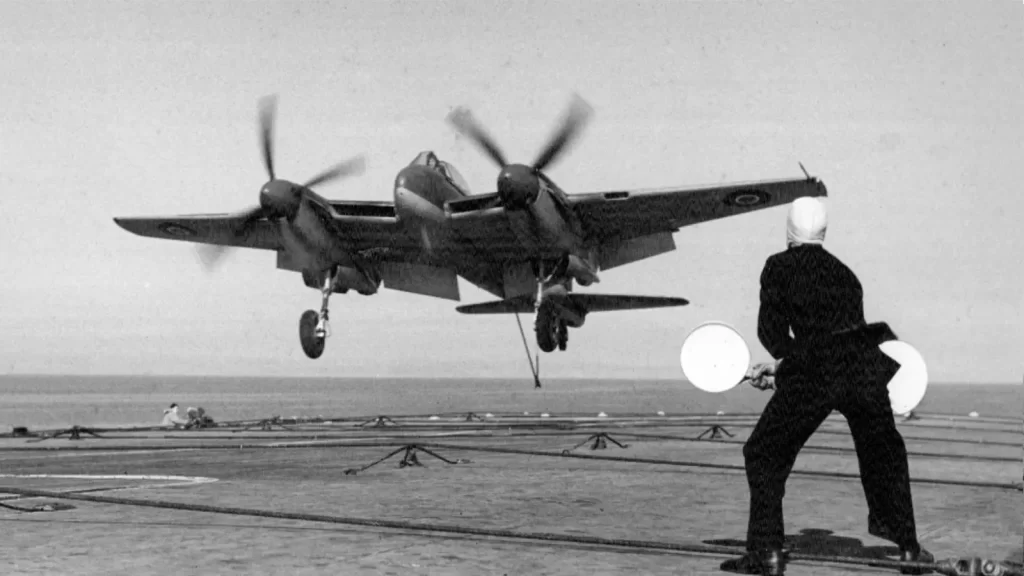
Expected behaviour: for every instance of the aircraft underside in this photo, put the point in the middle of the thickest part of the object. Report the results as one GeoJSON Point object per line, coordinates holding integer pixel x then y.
{"type": "Point", "coordinates": [551, 326]}
{"type": "Point", "coordinates": [554, 313]}
{"type": "Point", "coordinates": [554, 305]}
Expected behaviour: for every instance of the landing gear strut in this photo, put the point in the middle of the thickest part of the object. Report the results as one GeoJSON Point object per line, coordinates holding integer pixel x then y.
{"type": "Point", "coordinates": [313, 326]}
{"type": "Point", "coordinates": [551, 330]}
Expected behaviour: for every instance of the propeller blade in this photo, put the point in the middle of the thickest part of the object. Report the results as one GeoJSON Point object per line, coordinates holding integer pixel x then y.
{"type": "Point", "coordinates": [573, 122]}
{"type": "Point", "coordinates": [463, 121]}
{"type": "Point", "coordinates": [347, 168]}
{"type": "Point", "coordinates": [210, 255]}
{"type": "Point", "coordinates": [248, 217]}
{"type": "Point", "coordinates": [268, 112]}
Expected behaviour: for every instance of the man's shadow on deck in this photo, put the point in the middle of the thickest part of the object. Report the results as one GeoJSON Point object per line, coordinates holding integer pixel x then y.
{"type": "Point", "coordinates": [821, 543]}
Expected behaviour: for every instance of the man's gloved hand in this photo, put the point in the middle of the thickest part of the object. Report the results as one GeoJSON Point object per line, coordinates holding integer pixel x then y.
{"type": "Point", "coordinates": [762, 376]}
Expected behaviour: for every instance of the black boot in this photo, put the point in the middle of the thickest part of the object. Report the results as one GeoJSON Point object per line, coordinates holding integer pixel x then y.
{"type": "Point", "coordinates": [908, 553]}
{"type": "Point", "coordinates": [915, 554]}
{"type": "Point", "coordinates": [764, 562]}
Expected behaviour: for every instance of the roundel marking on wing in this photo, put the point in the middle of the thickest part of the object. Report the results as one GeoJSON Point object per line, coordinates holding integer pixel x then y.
{"type": "Point", "coordinates": [173, 229]}
{"type": "Point", "coordinates": [747, 198]}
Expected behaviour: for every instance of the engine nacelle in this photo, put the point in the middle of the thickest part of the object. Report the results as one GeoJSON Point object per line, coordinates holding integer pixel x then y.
{"type": "Point", "coordinates": [364, 281]}
{"type": "Point", "coordinates": [542, 226]}
{"type": "Point", "coordinates": [581, 271]}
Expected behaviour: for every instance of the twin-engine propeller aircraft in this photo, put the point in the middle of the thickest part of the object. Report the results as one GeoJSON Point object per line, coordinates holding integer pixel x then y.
{"type": "Point", "coordinates": [526, 243]}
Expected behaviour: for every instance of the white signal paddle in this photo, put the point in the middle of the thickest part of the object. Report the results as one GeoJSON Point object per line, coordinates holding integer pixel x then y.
{"type": "Point", "coordinates": [907, 387]}
{"type": "Point", "coordinates": [715, 358]}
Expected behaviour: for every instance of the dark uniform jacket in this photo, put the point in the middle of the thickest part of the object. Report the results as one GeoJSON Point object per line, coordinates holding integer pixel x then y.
{"type": "Point", "coordinates": [811, 292]}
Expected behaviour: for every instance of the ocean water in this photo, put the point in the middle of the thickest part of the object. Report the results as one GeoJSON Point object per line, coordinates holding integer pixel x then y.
{"type": "Point", "coordinates": [46, 402]}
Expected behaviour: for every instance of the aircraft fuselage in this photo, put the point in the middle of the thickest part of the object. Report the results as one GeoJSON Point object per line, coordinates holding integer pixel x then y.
{"type": "Point", "coordinates": [545, 229]}
{"type": "Point", "coordinates": [420, 194]}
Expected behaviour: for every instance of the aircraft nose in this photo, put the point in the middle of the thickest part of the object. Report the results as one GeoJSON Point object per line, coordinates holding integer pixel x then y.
{"type": "Point", "coordinates": [518, 186]}
{"type": "Point", "coordinates": [280, 198]}
{"type": "Point", "coordinates": [414, 180]}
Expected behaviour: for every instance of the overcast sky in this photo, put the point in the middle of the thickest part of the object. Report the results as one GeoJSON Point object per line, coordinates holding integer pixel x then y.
{"type": "Point", "coordinates": [909, 112]}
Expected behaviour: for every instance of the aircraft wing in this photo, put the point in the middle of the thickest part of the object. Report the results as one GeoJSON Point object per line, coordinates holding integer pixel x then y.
{"type": "Point", "coordinates": [371, 230]}
{"type": "Point", "coordinates": [629, 225]}
{"type": "Point", "coordinates": [480, 223]}
{"type": "Point", "coordinates": [219, 229]}
{"type": "Point", "coordinates": [610, 217]}
{"type": "Point", "coordinates": [369, 227]}
{"type": "Point", "coordinates": [584, 302]}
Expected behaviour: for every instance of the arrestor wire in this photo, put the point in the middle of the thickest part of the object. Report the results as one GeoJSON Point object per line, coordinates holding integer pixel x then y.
{"type": "Point", "coordinates": [398, 443]}
{"type": "Point", "coordinates": [1013, 424]}
{"type": "Point", "coordinates": [426, 527]}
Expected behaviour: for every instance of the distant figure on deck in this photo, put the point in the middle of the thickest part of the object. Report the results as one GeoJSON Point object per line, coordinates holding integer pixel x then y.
{"type": "Point", "coordinates": [171, 417]}
{"type": "Point", "coordinates": [197, 418]}
{"type": "Point", "coordinates": [831, 362]}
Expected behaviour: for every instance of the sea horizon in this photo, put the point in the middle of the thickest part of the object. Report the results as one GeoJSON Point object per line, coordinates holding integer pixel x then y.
{"type": "Point", "coordinates": [414, 377]}
{"type": "Point", "coordinates": [46, 401]}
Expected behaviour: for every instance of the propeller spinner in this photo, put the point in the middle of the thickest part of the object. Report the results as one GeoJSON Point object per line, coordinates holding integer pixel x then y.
{"type": "Point", "coordinates": [519, 184]}
{"type": "Point", "coordinates": [278, 198]}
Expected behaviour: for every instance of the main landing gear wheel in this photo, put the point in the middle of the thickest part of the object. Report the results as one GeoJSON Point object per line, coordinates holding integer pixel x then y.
{"type": "Point", "coordinates": [549, 330]}
{"type": "Point", "coordinates": [313, 326]}
{"type": "Point", "coordinates": [563, 336]}
{"type": "Point", "coordinates": [313, 341]}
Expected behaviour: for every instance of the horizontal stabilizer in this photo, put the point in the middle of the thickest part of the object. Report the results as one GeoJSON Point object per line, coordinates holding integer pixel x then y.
{"type": "Point", "coordinates": [582, 302]}
{"type": "Point", "coordinates": [521, 304]}
{"type": "Point", "coordinates": [611, 302]}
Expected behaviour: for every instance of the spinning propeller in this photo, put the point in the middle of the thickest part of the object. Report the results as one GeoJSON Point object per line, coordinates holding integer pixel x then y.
{"type": "Point", "coordinates": [518, 184]}
{"type": "Point", "coordinates": [278, 198]}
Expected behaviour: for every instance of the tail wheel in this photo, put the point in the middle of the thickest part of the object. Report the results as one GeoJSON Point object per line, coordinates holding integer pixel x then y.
{"type": "Point", "coordinates": [312, 344]}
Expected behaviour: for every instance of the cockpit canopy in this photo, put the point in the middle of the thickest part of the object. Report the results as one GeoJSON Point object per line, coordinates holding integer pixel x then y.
{"type": "Point", "coordinates": [429, 159]}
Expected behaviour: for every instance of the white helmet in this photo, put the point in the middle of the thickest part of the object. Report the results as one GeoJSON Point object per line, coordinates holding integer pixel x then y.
{"type": "Point", "coordinates": [807, 222]}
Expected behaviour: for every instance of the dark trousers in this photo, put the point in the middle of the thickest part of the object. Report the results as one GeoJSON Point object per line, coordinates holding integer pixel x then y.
{"type": "Point", "coordinates": [801, 402]}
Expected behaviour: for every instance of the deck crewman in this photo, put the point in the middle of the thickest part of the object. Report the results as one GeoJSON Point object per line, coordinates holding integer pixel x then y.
{"type": "Point", "coordinates": [172, 418]}
{"type": "Point", "coordinates": [831, 362]}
